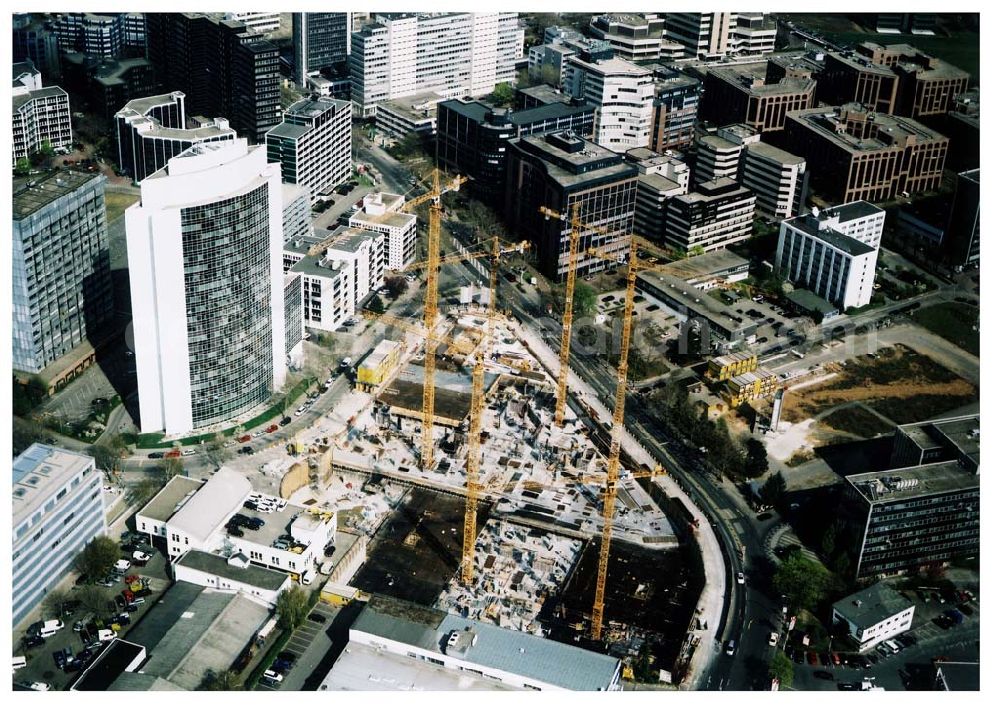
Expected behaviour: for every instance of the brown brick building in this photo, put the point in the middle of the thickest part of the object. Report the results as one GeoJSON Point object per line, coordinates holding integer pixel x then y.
{"type": "Point", "coordinates": [927, 85]}
{"type": "Point", "coordinates": [745, 95]}
{"type": "Point", "coordinates": [854, 154]}
{"type": "Point", "coordinates": [848, 77]}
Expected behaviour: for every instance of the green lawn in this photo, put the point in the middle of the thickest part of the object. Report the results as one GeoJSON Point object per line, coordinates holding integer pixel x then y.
{"type": "Point", "coordinates": [954, 322]}
{"type": "Point", "coordinates": [116, 203]}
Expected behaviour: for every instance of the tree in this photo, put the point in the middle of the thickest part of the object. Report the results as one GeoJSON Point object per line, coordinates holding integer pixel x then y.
{"type": "Point", "coordinates": [97, 559]}
{"type": "Point", "coordinates": [292, 607]}
{"type": "Point", "coordinates": [376, 305]}
{"type": "Point", "coordinates": [226, 681]}
{"type": "Point", "coordinates": [584, 300]}
{"type": "Point", "coordinates": [54, 602]}
{"type": "Point", "coordinates": [782, 669]}
{"type": "Point", "coordinates": [502, 96]}
{"type": "Point", "coordinates": [25, 433]}
{"type": "Point", "coordinates": [28, 395]}
{"type": "Point", "coordinates": [756, 460]}
{"type": "Point", "coordinates": [215, 450]}
{"type": "Point", "coordinates": [396, 285]}
{"type": "Point", "coordinates": [93, 599]}
{"type": "Point", "coordinates": [22, 166]}
{"type": "Point", "coordinates": [772, 492]}
{"type": "Point", "coordinates": [803, 580]}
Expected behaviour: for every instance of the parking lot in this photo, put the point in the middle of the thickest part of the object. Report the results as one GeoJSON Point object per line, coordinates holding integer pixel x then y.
{"type": "Point", "coordinates": [309, 644]}
{"type": "Point", "coordinates": [82, 644]}
{"type": "Point", "coordinates": [908, 668]}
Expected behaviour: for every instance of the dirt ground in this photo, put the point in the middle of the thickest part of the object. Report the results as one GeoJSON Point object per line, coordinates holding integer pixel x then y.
{"type": "Point", "coordinates": [900, 384]}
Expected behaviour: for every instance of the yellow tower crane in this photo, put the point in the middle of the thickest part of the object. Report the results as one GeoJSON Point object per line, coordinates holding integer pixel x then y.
{"type": "Point", "coordinates": [617, 424]}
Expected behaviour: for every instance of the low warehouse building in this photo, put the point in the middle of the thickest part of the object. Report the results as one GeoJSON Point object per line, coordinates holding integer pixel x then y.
{"type": "Point", "coordinates": [875, 614]}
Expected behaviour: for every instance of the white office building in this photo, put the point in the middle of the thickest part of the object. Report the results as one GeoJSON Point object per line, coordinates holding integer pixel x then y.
{"type": "Point", "coordinates": [818, 252]}
{"type": "Point", "coordinates": [364, 254]}
{"type": "Point", "coordinates": [313, 143]}
{"type": "Point", "coordinates": [873, 615]}
{"type": "Point", "coordinates": [204, 252]}
{"type": "Point", "coordinates": [623, 93]}
{"type": "Point", "coordinates": [257, 22]}
{"type": "Point", "coordinates": [41, 116]}
{"type": "Point", "coordinates": [713, 35]}
{"type": "Point", "coordinates": [453, 54]}
{"type": "Point", "coordinates": [57, 510]}
{"type": "Point", "coordinates": [380, 213]}
{"type": "Point", "coordinates": [777, 178]}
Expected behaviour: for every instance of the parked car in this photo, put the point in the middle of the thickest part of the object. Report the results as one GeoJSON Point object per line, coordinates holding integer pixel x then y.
{"type": "Point", "coordinates": [155, 456]}
{"type": "Point", "coordinates": [731, 647]}
{"type": "Point", "coordinates": [773, 640]}
{"type": "Point", "coordinates": [271, 677]}
{"type": "Point", "coordinates": [823, 674]}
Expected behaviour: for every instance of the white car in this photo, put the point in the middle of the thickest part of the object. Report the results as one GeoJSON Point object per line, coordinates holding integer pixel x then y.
{"type": "Point", "coordinates": [299, 411]}
{"type": "Point", "coordinates": [39, 686]}
{"type": "Point", "coordinates": [740, 578]}
{"type": "Point", "coordinates": [123, 565]}
{"type": "Point", "coordinates": [273, 677]}
{"type": "Point", "coordinates": [141, 555]}
{"type": "Point", "coordinates": [773, 640]}
{"type": "Point", "coordinates": [189, 451]}
{"type": "Point", "coordinates": [329, 381]}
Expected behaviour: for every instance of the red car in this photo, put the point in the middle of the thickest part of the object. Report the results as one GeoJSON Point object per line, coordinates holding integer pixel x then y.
{"type": "Point", "coordinates": [813, 658]}
{"type": "Point", "coordinates": [245, 439]}
{"type": "Point", "coordinates": [836, 658]}
{"type": "Point", "coordinates": [272, 428]}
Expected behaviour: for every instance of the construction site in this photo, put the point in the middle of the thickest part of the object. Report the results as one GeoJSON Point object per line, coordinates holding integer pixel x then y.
{"type": "Point", "coordinates": [484, 494]}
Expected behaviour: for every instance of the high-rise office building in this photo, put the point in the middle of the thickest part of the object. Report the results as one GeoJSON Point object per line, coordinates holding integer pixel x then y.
{"type": "Point", "coordinates": [961, 238]}
{"type": "Point", "coordinates": [633, 37]}
{"type": "Point", "coordinates": [720, 154]}
{"type": "Point", "coordinates": [777, 177]}
{"type": "Point", "coordinates": [204, 251]}
{"type": "Point", "coordinates": [313, 143]}
{"type": "Point", "coordinates": [222, 68]}
{"type": "Point", "coordinates": [711, 216]}
{"type": "Point", "coordinates": [61, 267]}
{"type": "Point", "coordinates": [33, 41]}
{"type": "Point", "coordinates": [453, 54]}
{"type": "Point", "coordinates": [380, 213]}
{"type": "Point", "coordinates": [623, 94]}
{"type": "Point", "coordinates": [563, 172]}
{"type": "Point", "coordinates": [320, 41]}
{"type": "Point", "coordinates": [821, 252]}
{"type": "Point", "coordinates": [712, 35]}
{"type": "Point", "coordinates": [675, 109]}
{"type": "Point", "coordinates": [154, 129]}
{"type": "Point", "coordinates": [257, 22]}
{"type": "Point", "coordinates": [745, 94]}
{"type": "Point", "coordinates": [58, 509]}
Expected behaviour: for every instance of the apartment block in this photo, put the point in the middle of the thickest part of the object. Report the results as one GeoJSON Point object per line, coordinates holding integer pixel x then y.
{"type": "Point", "coordinates": [473, 137]}
{"type": "Point", "coordinates": [61, 271]}
{"type": "Point", "coordinates": [102, 35]}
{"type": "Point", "coordinates": [623, 94]}
{"type": "Point", "coordinates": [822, 252]}
{"type": "Point", "coordinates": [556, 53]}
{"type": "Point", "coordinates": [720, 154]}
{"type": "Point", "coordinates": [380, 213]}
{"type": "Point", "coordinates": [633, 37]}
{"type": "Point", "coordinates": [961, 238]}
{"type": "Point", "coordinates": [676, 99]}
{"type": "Point", "coordinates": [58, 509]}
{"type": "Point", "coordinates": [320, 41]}
{"type": "Point", "coordinates": [40, 118]}
{"type": "Point", "coordinates": [743, 94]}
{"type": "Point", "coordinates": [327, 299]}
{"type": "Point", "coordinates": [854, 154]}
{"type": "Point", "coordinates": [364, 252]}
{"type": "Point", "coordinates": [296, 214]}
{"type": "Point", "coordinates": [154, 129]}
{"type": "Point", "coordinates": [776, 177]}
{"type": "Point", "coordinates": [313, 143]}
{"type": "Point", "coordinates": [453, 54]}
{"type": "Point", "coordinates": [712, 216]}
{"type": "Point", "coordinates": [563, 172]}
{"type": "Point", "coordinates": [208, 307]}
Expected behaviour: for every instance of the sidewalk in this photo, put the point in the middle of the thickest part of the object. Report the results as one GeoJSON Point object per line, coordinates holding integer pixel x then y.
{"type": "Point", "coordinates": [709, 607]}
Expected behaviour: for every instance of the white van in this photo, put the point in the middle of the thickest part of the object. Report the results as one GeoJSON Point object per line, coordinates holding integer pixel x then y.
{"type": "Point", "coordinates": [105, 635]}
{"type": "Point", "coordinates": [50, 628]}
{"type": "Point", "coordinates": [326, 568]}
{"type": "Point", "coordinates": [307, 576]}
{"type": "Point", "coordinates": [894, 646]}
{"type": "Point", "coordinates": [20, 662]}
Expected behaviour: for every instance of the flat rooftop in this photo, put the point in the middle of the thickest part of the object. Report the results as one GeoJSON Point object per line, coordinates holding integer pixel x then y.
{"type": "Point", "coordinates": [350, 238]}
{"type": "Point", "coordinates": [291, 131]}
{"type": "Point", "coordinates": [591, 162]}
{"type": "Point", "coordinates": [770, 152]}
{"type": "Point", "coordinates": [361, 667]}
{"type": "Point", "coordinates": [169, 499]}
{"type": "Point", "coordinates": [141, 106]}
{"type": "Point", "coordinates": [487, 645]}
{"type": "Point", "coordinates": [959, 676]}
{"type": "Point", "coordinates": [719, 143]}
{"type": "Point", "coordinates": [614, 65]}
{"type": "Point", "coordinates": [892, 131]}
{"type": "Point", "coordinates": [314, 107]}
{"type": "Point", "coordinates": [752, 78]}
{"type": "Point", "coordinates": [44, 92]}
{"type": "Point", "coordinates": [917, 481]}
{"type": "Point", "coordinates": [849, 245]}
{"type": "Point", "coordinates": [872, 605]}
{"type": "Point", "coordinates": [962, 432]}
{"type": "Point", "coordinates": [850, 211]}
{"type": "Point", "coordinates": [810, 302]}
{"type": "Point", "coordinates": [39, 473]}
{"type": "Point", "coordinates": [252, 575]}
{"type": "Point", "coordinates": [34, 193]}
{"type": "Point", "coordinates": [695, 299]}
{"type": "Point", "coordinates": [101, 674]}
{"type": "Point", "coordinates": [417, 108]}
{"type": "Point", "coordinates": [275, 524]}
{"type": "Point", "coordinates": [721, 261]}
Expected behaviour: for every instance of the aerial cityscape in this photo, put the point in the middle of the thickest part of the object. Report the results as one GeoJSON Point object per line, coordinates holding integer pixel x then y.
{"type": "Point", "coordinates": [619, 351]}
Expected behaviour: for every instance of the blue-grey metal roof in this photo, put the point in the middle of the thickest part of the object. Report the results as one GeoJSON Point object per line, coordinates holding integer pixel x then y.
{"type": "Point", "coordinates": [511, 651]}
